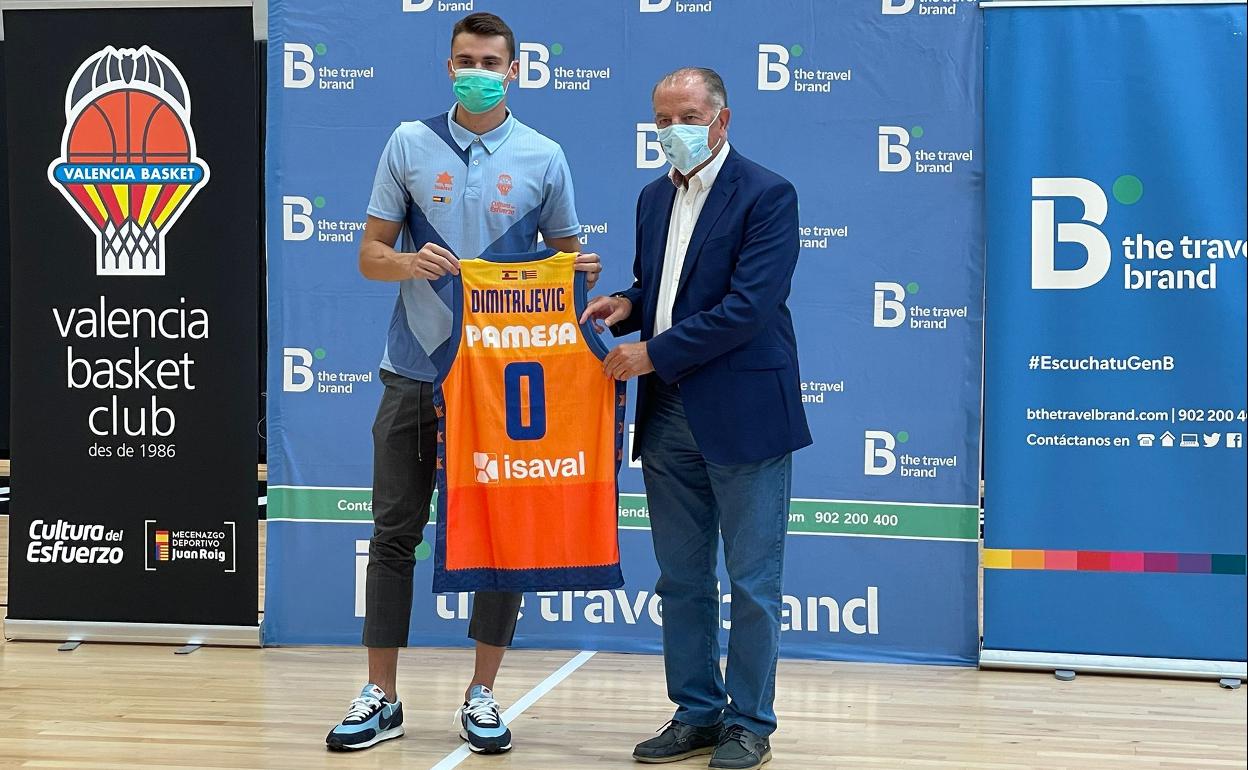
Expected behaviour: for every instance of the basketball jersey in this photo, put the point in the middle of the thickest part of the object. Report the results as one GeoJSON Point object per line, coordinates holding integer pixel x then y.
{"type": "Point", "coordinates": [530, 433]}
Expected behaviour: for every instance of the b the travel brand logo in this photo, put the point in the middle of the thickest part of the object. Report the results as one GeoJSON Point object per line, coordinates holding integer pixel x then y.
{"type": "Point", "coordinates": [894, 305]}
{"type": "Point", "coordinates": [883, 458]}
{"type": "Point", "coordinates": [441, 6]}
{"type": "Point", "coordinates": [167, 546]}
{"type": "Point", "coordinates": [942, 8]}
{"type": "Point", "coordinates": [778, 72]}
{"type": "Point", "coordinates": [1148, 263]}
{"type": "Point", "coordinates": [820, 236]}
{"type": "Point", "coordinates": [301, 222]}
{"type": "Point", "coordinates": [302, 371]}
{"type": "Point", "coordinates": [856, 615]}
{"type": "Point", "coordinates": [659, 6]}
{"type": "Point", "coordinates": [539, 70]}
{"type": "Point", "coordinates": [649, 150]}
{"type": "Point", "coordinates": [818, 391]}
{"type": "Point", "coordinates": [896, 154]}
{"type": "Point", "coordinates": [128, 162]}
{"type": "Point", "coordinates": [301, 70]}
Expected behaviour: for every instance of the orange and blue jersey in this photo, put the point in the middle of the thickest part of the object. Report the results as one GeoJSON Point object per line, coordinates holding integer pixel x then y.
{"type": "Point", "coordinates": [530, 433]}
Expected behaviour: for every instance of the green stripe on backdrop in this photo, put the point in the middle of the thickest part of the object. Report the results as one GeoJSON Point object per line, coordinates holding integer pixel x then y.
{"type": "Point", "coordinates": [806, 517]}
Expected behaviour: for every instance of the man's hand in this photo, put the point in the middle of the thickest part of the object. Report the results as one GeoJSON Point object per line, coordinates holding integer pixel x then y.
{"type": "Point", "coordinates": [431, 262]}
{"type": "Point", "coordinates": [590, 264]}
{"type": "Point", "coordinates": [606, 311]}
{"type": "Point", "coordinates": [628, 361]}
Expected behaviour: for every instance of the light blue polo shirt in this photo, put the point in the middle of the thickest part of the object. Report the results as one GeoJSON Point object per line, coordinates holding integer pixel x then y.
{"type": "Point", "coordinates": [474, 195]}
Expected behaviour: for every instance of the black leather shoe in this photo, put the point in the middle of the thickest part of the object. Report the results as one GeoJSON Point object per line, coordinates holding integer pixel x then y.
{"type": "Point", "coordinates": [740, 749]}
{"type": "Point", "coordinates": [678, 741]}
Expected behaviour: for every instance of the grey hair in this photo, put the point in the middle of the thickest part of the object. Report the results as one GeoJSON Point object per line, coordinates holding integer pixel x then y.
{"type": "Point", "coordinates": [715, 91]}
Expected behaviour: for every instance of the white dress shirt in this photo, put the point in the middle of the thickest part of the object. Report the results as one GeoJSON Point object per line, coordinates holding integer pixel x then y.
{"type": "Point", "coordinates": [690, 197]}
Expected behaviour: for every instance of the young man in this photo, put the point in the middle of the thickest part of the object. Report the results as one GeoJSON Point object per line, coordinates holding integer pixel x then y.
{"type": "Point", "coordinates": [466, 182]}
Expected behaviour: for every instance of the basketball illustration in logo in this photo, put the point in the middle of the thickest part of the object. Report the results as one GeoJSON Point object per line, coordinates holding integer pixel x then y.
{"type": "Point", "coordinates": [128, 164]}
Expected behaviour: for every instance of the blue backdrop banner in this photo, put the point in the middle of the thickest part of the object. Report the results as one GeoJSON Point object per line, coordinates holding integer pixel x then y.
{"type": "Point", "coordinates": [1116, 346]}
{"type": "Point", "coordinates": [871, 109]}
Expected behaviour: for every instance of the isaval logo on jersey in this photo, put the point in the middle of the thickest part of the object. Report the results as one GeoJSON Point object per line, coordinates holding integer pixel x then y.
{"type": "Point", "coordinates": [493, 469]}
{"type": "Point", "coordinates": [128, 163]}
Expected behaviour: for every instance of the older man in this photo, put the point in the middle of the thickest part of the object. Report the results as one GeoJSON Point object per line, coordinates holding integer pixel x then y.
{"type": "Point", "coordinates": [719, 413]}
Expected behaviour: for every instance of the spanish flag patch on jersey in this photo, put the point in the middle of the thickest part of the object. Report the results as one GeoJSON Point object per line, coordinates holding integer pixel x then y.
{"type": "Point", "coordinates": [530, 433]}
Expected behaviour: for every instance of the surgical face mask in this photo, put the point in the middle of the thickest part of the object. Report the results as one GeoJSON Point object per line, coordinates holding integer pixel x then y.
{"type": "Point", "coordinates": [686, 145]}
{"type": "Point", "coordinates": [478, 90]}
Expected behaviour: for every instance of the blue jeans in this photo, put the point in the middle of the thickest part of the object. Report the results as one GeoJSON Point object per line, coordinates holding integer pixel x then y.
{"type": "Point", "coordinates": [691, 501]}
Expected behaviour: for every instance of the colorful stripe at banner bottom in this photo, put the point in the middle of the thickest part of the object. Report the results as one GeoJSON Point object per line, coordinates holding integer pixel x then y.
{"type": "Point", "coordinates": [1116, 561]}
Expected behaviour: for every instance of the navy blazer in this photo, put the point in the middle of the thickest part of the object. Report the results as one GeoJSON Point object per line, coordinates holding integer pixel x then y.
{"type": "Point", "coordinates": [731, 347]}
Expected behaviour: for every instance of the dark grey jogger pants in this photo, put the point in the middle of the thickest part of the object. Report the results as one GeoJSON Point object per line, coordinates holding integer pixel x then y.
{"type": "Point", "coordinates": [405, 451]}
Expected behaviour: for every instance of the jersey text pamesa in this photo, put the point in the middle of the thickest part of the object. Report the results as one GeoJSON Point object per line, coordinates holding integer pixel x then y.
{"type": "Point", "coordinates": [514, 301]}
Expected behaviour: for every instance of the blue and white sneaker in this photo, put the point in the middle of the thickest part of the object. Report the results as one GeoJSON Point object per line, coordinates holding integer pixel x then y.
{"type": "Point", "coordinates": [369, 721]}
{"type": "Point", "coordinates": [481, 724]}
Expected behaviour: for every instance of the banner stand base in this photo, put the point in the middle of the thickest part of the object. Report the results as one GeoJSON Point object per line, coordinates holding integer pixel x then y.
{"type": "Point", "coordinates": [188, 635]}
{"type": "Point", "coordinates": [1113, 664]}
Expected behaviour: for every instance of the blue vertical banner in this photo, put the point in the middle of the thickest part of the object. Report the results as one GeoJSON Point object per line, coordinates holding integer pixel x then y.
{"type": "Point", "coordinates": [1115, 390]}
{"type": "Point", "coordinates": [872, 110]}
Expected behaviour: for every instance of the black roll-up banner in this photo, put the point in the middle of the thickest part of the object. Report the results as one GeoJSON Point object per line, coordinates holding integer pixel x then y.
{"type": "Point", "coordinates": [133, 160]}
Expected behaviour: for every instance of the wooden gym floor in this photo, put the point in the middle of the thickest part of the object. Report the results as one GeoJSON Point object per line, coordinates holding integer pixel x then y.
{"type": "Point", "coordinates": [115, 706]}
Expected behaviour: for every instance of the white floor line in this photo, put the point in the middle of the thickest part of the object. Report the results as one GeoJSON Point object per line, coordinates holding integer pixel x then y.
{"type": "Point", "coordinates": [519, 707]}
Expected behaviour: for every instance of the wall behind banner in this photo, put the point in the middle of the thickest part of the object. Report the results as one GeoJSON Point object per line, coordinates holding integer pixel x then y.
{"type": "Point", "coordinates": [872, 109]}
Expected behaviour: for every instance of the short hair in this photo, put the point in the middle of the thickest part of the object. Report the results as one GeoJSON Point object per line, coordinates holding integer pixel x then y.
{"type": "Point", "coordinates": [715, 89]}
{"type": "Point", "coordinates": [485, 25]}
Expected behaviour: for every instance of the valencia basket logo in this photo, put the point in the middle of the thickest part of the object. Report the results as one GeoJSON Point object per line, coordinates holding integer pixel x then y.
{"type": "Point", "coordinates": [128, 164]}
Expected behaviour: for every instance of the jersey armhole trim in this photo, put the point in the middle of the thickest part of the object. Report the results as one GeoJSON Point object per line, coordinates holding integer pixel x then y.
{"type": "Point", "coordinates": [595, 343]}
{"type": "Point", "coordinates": [443, 358]}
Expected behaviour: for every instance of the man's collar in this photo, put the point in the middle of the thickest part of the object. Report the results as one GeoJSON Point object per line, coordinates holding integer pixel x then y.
{"type": "Point", "coordinates": [707, 175]}
{"type": "Point", "coordinates": [492, 139]}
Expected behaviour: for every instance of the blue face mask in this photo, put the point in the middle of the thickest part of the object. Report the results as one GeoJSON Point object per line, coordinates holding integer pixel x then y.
{"type": "Point", "coordinates": [478, 90]}
{"type": "Point", "coordinates": [686, 146]}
